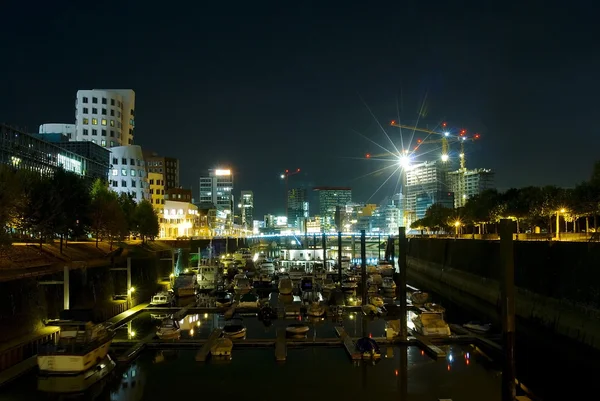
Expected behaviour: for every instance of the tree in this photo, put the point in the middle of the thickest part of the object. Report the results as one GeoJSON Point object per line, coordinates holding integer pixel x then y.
{"type": "Point", "coordinates": [437, 218]}
{"type": "Point", "coordinates": [128, 206]}
{"type": "Point", "coordinates": [146, 220]}
{"type": "Point", "coordinates": [107, 217]}
{"type": "Point", "coordinates": [9, 197]}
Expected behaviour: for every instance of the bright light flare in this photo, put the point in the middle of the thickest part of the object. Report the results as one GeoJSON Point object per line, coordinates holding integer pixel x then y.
{"type": "Point", "coordinates": [445, 158]}
{"type": "Point", "coordinates": [404, 161]}
{"type": "Point", "coordinates": [282, 176]}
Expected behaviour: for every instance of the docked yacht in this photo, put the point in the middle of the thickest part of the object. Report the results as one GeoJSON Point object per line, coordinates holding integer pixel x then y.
{"type": "Point", "coordinates": [163, 298]}
{"type": "Point", "coordinates": [249, 300]}
{"type": "Point", "coordinates": [419, 297]}
{"type": "Point", "coordinates": [185, 285]}
{"type": "Point", "coordinates": [478, 327]}
{"type": "Point", "coordinates": [385, 268]}
{"type": "Point", "coordinates": [285, 286]}
{"type": "Point", "coordinates": [81, 345]}
{"type": "Point", "coordinates": [78, 384]}
{"type": "Point", "coordinates": [207, 277]}
{"type": "Point", "coordinates": [297, 329]}
{"type": "Point", "coordinates": [223, 299]}
{"type": "Point", "coordinates": [388, 286]}
{"type": "Point", "coordinates": [241, 284]}
{"type": "Point", "coordinates": [431, 324]}
{"type": "Point", "coordinates": [328, 285]}
{"type": "Point", "coordinates": [368, 348]}
{"type": "Point", "coordinates": [376, 301]}
{"type": "Point", "coordinates": [234, 330]}
{"type": "Point", "coordinates": [268, 267]}
{"type": "Point", "coordinates": [221, 347]}
{"type": "Point", "coordinates": [315, 310]}
{"type": "Point", "coordinates": [169, 329]}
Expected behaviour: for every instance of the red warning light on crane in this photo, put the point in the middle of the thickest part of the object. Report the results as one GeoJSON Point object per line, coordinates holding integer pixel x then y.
{"type": "Point", "coordinates": [393, 122]}
{"type": "Point", "coordinates": [444, 125]}
{"type": "Point", "coordinates": [462, 132]}
{"type": "Point", "coordinates": [298, 170]}
{"type": "Point", "coordinates": [476, 136]}
{"type": "Point", "coordinates": [368, 155]}
{"type": "Point", "coordinates": [287, 171]}
{"type": "Point", "coordinates": [419, 141]}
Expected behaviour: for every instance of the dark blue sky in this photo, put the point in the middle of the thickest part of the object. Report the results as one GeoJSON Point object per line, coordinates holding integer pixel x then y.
{"type": "Point", "coordinates": [268, 86]}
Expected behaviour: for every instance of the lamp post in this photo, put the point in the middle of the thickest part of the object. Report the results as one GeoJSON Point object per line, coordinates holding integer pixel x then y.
{"type": "Point", "coordinates": [456, 227]}
{"type": "Point", "coordinates": [558, 223]}
{"type": "Point", "coordinates": [285, 176]}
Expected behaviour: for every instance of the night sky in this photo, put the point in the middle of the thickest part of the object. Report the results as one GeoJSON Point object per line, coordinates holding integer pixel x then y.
{"type": "Point", "coordinates": [262, 87]}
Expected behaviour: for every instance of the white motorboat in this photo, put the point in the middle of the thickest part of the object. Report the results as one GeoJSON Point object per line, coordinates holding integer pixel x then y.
{"type": "Point", "coordinates": [419, 297]}
{"type": "Point", "coordinates": [376, 301]}
{"type": "Point", "coordinates": [249, 300]}
{"type": "Point", "coordinates": [478, 327]}
{"type": "Point", "coordinates": [207, 277]}
{"type": "Point", "coordinates": [267, 267]}
{"type": "Point", "coordinates": [222, 347]}
{"type": "Point", "coordinates": [168, 330]}
{"type": "Point", "coordinates": [223, 299]}
{"type": "Point", "coordinates": [234, 330]}
{"type": "Point", "coordinates": [241, 284]}
{"type": "Point", "coordinates": [81, 345]}
{"type": "Point", "coordinates": [79, 383]}
{"type": "Point", "coordinates": [315, 310]}
{"type": "Point", "coordinates": [163, 298]}
{"type": "Point", "coordinates": [432, 307]}
{"type": "Point", "coordinates": [349, 286]}
{"type": "Point", "coordinates": [385, 268]}
{"type": "Point", "coordinates": [297, 329]}
{"type": "Point", "coordinates": [185, 285]}
{"type": "Point", "coordinates": [431, 324]}
{"type": "Point", "coordinates": [285, 286]}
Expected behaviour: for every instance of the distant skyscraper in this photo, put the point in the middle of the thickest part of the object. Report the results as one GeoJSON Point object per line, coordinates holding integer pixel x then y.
{"type": "Point", "coordinates": [105, 116]}
{"type": "Point", "coordinates": [167, 166]}
{"type": "Point", "coordinates": [247, 203]}
{"type": "Point", "coordinates": [331, 200]}
{"type": "Point", "coordinates": [468, 183]}
{"type": "Point", "coordinates": [217, 189]}
{"type": "Point", "coordinates": [297, 206]}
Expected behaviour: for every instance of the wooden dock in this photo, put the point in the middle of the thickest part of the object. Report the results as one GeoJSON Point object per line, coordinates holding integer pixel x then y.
{"type": "Point", "coordinates": [202, 355]}
{"type": "Point", "coordinates": [135, 350]}
{"type": "Point", "coordinates": [425, 343]}
{"type": "Point", "coordinates": [348, 344]}
{"type": "Point", "coordinates": [280, 346]}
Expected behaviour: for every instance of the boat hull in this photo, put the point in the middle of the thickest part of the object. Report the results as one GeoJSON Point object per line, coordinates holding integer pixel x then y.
{"type": "Point", "coordinates": [72, 364]}
{"type": "Point", "coordinates": [235, 334]}
{"type": "Point", "coordinates": [69, 384]}
{"type": "Point", "coordinates": [168, 335]}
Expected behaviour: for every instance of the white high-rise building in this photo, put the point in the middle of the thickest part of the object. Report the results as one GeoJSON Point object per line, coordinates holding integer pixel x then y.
{"type": "Point", "coordinates": [105, 117]}
{"type": "Point", "coordinates": [217, 189]}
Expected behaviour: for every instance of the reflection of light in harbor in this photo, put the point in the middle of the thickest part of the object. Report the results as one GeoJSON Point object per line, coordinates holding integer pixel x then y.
{"type": "Point", "coordinates": [131, 387]}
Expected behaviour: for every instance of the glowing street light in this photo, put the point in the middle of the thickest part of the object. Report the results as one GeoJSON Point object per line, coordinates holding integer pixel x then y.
{"type": "Point", "coordinates": [404, 161]}
{"type": "Point", "coordinates": [456, 228]}
{"type": "Point", "coordinates": [562, 210]}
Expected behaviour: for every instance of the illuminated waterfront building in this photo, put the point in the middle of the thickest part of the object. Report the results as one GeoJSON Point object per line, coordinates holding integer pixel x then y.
{"type": "Point", "coordinates": [331, 200]}
{"type": "Point", "coordinates": [179, 219]}
{"type": "Point", "coordinates": [128, 172]}
{"type": "Point", "coordinates": [47, 153]}
{"type": "Point", "coordinates": [217, 189]}
{"type": "Point", "coordinates": [167, 166]}
{"type": "Point", "coordinates": [156, 190]}
{"type": "Point", "coordinates": [247, 206]}
{"type": "Point", "coordinates": [297, 207]}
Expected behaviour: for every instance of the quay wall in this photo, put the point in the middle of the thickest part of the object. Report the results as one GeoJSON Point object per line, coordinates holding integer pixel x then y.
{"type": "Point", "coordinates": [558, 283]}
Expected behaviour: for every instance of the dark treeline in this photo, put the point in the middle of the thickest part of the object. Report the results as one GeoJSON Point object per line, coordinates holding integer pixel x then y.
{"type": "Point", "coordinates": [64, 206]}
{"type": "Point", "coordinates": [530, 207]}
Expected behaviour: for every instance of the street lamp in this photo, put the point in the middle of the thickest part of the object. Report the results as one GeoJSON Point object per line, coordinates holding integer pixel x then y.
{"type": "Point", "coordinates": [456, 227]}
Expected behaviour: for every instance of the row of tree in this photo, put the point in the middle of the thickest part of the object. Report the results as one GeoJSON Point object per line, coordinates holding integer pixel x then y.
{"type": "Point", "coordinates": [65, 206]}
{"type": "Point", "coordinates": [530, 207]}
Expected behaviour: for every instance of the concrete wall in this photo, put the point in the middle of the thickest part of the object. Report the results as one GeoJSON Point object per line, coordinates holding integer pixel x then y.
{"type": "Point", "coordinates": [557, 283]}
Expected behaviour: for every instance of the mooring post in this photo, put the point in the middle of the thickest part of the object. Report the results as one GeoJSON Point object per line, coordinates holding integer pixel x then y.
{"type": "Point", "coordinates": [324, 246]}
{"type": "Point", "coordinates": [401, 285]}
{"type": "Point", "coordinates": [363, 265]}
{"type": "Point", "coordinates": [508, 309]}
{"type": "Point", "coordinates": [340, 256]}
{"type": "Point", "coordinates": [129, 287]}
{"type": "Point", "coordinates": [66, 293]}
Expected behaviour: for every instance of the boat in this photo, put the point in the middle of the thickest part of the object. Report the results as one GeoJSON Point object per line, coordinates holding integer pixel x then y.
{"type": "Point", "coordinates": [297, 329]}
{"type": "Point", "coordinates": [385, 268]}
{"type": "Point", "coordinates": [163, 298]}
{"type": "Point", "coordinates": [222, 347]}
{"type": "Point", "coordinates": [349, 286]}
{"type": "Point", "coordinates": [315, 310]}
{"type": "Point", "coordinates": [376, 301]}
{"type": "Point", "coordinates": [388, 285]}
{"type": "Point", "coordinates": [241, 284]}
{"type": "Point", "coordinates": [160, 316]}
{"type": "Point", "coordinates": [234, 330]}
{"type": "Point", "coordinates": [268, 267]}
{"type": "Point", "coordinates": [431, 307]}
{"type": "Point", "coordinates": [328, 285]}
{"type": "Point", "coordinates": [169, 329]}
{"type": "Point", "coordinates": [249, 300]}
{"type": "Point", "coordinates": [223, 299]}
{"type": "Point", "coordinates": [306, 284]}
{"type": "Point", "coordinates": [81, 345]}
{"type": "Point", "coordinates": [207, 277]}
{"type": "Point", "coordinates": [371, 310]}
{"type": "Point", "coordinates": [368, 348]}
{"type": "Point", "coordinates": [185, 285]}
{"type": "Point", "coordinates": [267, 313]}
{"type": "Point", "coordinates": [478, 327]}
{"type": "Point", "coordinates": [431, 324]}
{"type": "Point", "coordinates": [419, 297]}
{"type": "Point", "coordinates": [285, 286]}
{"type": "Point", "coordinates": [79, 383]}
{"type": "Point", "coordinates": [262, 281]}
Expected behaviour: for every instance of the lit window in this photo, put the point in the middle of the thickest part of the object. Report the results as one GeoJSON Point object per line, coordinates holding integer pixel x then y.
{"type": "Point", "coordinates": [115, 171]}
{"type": "Point", "coordinates": [104, 121]}
{"type": "Point", "coordinates": [103, 142]}
{"type": "Point", "coordinates": [85, 131]}
{"type": "Point", "coordinates": [123, 172]}
{"type": "Point", "coordinates": [112, 123]}
{"type": "Point", "coordinates": [94, 121]}
{"type": "Point", "coordinates": [132, 172]}
{"type": "Point", "coordinates": [180, 211]}
{"type": "Point", "coordinates": [94, 100]}
{"type": "Point", "coordinates": [86, 121]}
{"type": "Point", "coordinates": [85, 110]}
{"type": "Point", "coordinates": [112, 143]}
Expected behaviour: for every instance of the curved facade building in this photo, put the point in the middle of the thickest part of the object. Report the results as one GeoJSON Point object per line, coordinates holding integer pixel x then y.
{"type": "Point", "coordinates": [128, 171]}
{"type": "Point", "coordinates": [70, 130]}
{"type": "Point", "coordinates": [105, 116]}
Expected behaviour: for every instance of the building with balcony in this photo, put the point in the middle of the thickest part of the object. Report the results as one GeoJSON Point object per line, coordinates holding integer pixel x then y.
{"type": "Point", "coordinates": [179, 220]}
{"type": "Point", "coordinates": [47, 153]}
{"type": "Point", "coordinates": [467, 183]}
{"type": "Point", "coordinates": [128, 172]}
{"type": "Point", "coordinates": [167, 166]}
{"type": "Point", "coordinates": [105, 117]}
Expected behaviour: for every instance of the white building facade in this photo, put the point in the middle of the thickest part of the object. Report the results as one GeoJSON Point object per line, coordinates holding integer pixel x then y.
{"type": "Point", "coordinates": [105, 117]}
{"type": "Point", "coordinates": [179, 220]}
{"type": "Point", "coordinates": [128, 172]}
{"type": "Point", "coordinates": [69, 130]}
{"type": "Point", "coordinates": [467, 183]}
